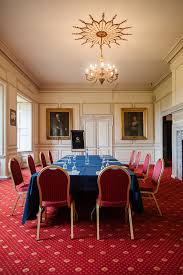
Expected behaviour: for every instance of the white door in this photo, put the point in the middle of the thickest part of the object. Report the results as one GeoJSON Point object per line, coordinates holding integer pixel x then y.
{"type": "Point", "coordinates": [98, 134]}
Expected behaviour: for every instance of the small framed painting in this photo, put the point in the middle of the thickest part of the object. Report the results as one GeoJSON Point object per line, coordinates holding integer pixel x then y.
{"type": "Point", "coordinates": [78, 140]}
{"type": "Point", "coordinates": [58, 123]}
{"type": "Point", "coordinates": [134, 123]}
{"type": "Point", "coordinates": [13, 118]}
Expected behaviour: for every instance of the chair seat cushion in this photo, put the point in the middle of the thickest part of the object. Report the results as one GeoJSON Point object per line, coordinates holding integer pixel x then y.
{"type": "Point", "coordinates": [22, 187]}
{"type": "Point", "coordinates": [147, 185]}
{"type": "Point", "coordinates": [54, 203]}
{"type": "Point", "coordinates": [111, 203]}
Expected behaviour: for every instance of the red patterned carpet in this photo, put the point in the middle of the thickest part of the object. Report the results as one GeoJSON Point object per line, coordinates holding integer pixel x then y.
{"type": "Point", "coordinates": [157, 248]}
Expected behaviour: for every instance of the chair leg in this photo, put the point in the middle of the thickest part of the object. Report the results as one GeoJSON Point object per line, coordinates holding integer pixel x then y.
{"type": "Point", "coordinates": [126, 214]}
{"type": "Point", "coordinates": [23, 200]}
{"type": "Point", "coordinates": [38, 223]}
{"type": "Point", "coordinates": [97, 216]}
{"type": "Point", "coordinates": [72, 214]}
{"type": "Point", "coordinates": [92, 213]}
{"type": "Point", "coordinates": [45, 215]}
{"type": "Point", "coordinates": [75, 212]}
{"type": "Point", "coordinates": [15, 204]}
{"type": "Point", "coordinates": [159, 210]}
{"type": "Point", "coordinates": [130, 221]}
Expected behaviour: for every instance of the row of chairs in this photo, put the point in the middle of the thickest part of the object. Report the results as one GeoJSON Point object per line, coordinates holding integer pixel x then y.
{"type": "Point", "coordinates": [42, 158]}
{"type": "Point", "coordinates": [20, 185]}
{"type": "Point", "coordinates": [149, 185]}
{"type": "Point", "coordinates": [58, 194]}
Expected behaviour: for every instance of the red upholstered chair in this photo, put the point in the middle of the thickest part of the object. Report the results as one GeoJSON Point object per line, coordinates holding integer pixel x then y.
{"type": "Point", "coordinates": [18, 182]}
{"type": "Point", "coordinates": [54, 187]}
{"type": "Point", "coordinates": [131, 158]}
{"type": "Point", "coordinates": [42, 159]}
{"type": "Point", "coordinates": [31, 164]}
{"type": "Point", "coordinates": [136, 163]}
{"type": "Point", "coordinates": [114, 187]}
{"type": "Point", "coordinates": [149, 186]}
{"type": "Point", "coordinates": [50, 157]}
{"type": "Point", "coordinates": [145, 168]}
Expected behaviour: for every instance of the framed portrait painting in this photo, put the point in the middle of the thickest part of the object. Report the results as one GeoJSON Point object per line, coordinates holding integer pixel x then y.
{"type": "Point", "coordinates": [134, 123]}
{"type": "Point", "coordinates": [13, 117]}
{"type": "Point", "coordinates": [58, 123]}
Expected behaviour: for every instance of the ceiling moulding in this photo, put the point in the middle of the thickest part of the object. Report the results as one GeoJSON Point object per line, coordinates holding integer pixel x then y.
{"type": "Point", "coordinates": [161, 79]}
{"type": "Point", "coordinates": [17, 63]}
{"type": "Point", "coordinates": [175, 50]}
{"type": "Point", "coordinates": [95, 88]}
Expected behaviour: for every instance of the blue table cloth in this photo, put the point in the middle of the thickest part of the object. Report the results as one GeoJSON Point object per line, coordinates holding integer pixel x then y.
{"type": "Point", "coordinates": [86, 181]}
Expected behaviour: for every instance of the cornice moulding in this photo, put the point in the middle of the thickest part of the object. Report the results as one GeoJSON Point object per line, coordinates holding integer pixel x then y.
{"type": "Point", "coordinates": [161, 80]}
{"type": "Point", "coordinates": [175, 50]}
{"type": "Point", "coordinates": [16, 62]}
{"type": "Point", "coordinates": [173, 109]}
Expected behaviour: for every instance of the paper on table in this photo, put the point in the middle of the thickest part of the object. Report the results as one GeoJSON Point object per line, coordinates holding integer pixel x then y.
{"type": "Point", "coordinates": [76, 172]}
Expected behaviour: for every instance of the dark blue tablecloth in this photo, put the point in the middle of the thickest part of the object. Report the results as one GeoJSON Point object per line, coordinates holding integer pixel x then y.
{"type": "Point", "coordinates": [86, 181]}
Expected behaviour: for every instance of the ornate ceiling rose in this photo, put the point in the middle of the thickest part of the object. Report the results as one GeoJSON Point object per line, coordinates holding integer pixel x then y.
{"type": "Point", "coordinates": [101, 32]}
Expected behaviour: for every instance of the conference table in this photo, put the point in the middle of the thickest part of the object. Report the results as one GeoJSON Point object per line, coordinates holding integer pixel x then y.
{"type": "Point", "coordinates": [85, 181]}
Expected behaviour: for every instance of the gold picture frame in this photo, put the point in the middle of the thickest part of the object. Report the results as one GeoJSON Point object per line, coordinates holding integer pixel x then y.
{"type": "Point", "coordinates": [58, 123]}
{"type": "Point", "coordinates": [134, 123]}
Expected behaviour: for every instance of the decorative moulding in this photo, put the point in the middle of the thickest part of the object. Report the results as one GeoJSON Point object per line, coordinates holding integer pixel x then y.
{"type": "Point", "coordinates": [175, 51]}
{"type": "Point", "coordinates": [161, 80]}
{"type": "Point", "coordinates": [174, 109]}
{"type": "Point", "coordinates": [16, 62]}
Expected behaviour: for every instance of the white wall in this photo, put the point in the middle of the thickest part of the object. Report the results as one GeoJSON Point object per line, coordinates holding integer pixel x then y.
{"type": "Point", "coordinates": [169, 100]}
{"type": "Point", "coordinates": [99, 104]}
{"type": "Point", "coordinates": [15, 82]}
{"type": "Point", "coordinates": [162, 103]}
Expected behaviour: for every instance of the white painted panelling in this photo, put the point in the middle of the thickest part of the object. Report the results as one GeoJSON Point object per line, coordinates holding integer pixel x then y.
{"type": "Point", "coordinates": [179, 84]}
{"type": "Point", "coordinates": [103, 133]}
{"type": "Point", "coordinates": [90, 132]}
{"type": "Point", "coordinates": [96, 109]}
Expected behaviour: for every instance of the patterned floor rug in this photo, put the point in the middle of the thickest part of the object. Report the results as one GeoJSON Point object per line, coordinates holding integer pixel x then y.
{"type": "Point", "coordinates": [157, 248]}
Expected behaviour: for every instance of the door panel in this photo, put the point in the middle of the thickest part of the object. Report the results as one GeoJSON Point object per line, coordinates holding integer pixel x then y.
{"type": "Point", "coordinates": [98, 133]}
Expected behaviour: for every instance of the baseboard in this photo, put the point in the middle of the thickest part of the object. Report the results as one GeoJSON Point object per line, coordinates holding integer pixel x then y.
{"type": "Point", "coordinates": [4, 177]}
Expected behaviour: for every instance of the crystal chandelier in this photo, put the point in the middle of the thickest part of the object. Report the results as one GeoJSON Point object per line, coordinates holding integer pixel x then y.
{"type": "Point", "coordinates": [101, 33]}
{"type": "Point", "coordinates": [101, 72]}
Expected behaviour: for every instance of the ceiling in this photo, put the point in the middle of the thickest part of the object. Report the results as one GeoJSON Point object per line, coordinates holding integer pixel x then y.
{"type": "Point", "coordinates": [39, 33]}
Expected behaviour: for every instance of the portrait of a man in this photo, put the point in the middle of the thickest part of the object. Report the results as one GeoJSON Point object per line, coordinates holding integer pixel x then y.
{"type": "Point", "coordinates": [134, 123]}
{"type": "Point", "coordinates": [59, 123]}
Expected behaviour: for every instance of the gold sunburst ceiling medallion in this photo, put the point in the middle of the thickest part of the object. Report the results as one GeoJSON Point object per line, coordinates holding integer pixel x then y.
{"type": "Point", "coordinates": [101, 32]}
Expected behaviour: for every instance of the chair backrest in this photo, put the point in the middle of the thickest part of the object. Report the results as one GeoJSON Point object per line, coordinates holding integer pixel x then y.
{"type": "Point", "coordinates": [16, 172]}
{"type": "Point", "coordinates": [146, 164]}
{"type": "Point", "coordinates": [114, 185]}
{"type": "Point", "coordinates": [137, 159]}
{"type": "Point", "coordinates": [157, 173]}
{"type": "Point", "coordinates": [54, 185]}
{"type": "Point", "coordinates": [31, 164]}
{"type": "Point", "coordinates": [131, 157]}
{"type": "Point", "coordinates": [42, 159]}
{"type": "Point", "coordinates": [50, 157]}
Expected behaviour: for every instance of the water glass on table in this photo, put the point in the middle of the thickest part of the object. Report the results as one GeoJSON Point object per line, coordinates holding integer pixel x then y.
{"type": "Point", "coordinates": [65, 165]}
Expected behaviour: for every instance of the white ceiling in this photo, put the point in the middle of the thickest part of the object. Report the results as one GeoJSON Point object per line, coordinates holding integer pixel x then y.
{"type": "Point", "coordinates": [39, 32]}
